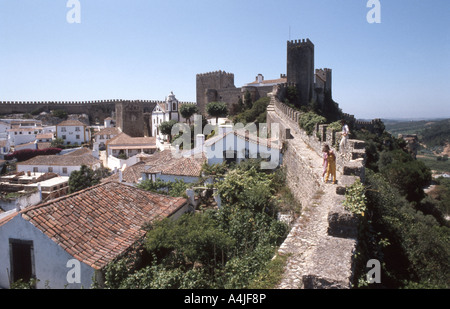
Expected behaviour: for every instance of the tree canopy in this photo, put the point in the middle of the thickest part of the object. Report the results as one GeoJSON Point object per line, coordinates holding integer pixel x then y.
{"type": "Point", "coordinates": [217, 109]}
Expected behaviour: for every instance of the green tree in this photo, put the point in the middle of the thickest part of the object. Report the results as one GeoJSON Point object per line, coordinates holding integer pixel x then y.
{"type": "Point", "coordinates": [83, 178]}
{"type": "Point", "coordinates": [217, 109]}
{"type": "Point", "coordinates": [193, 238]}
{"type": "Point", "coordinates": [166, 128]}
{"type": "Point", "coordinates": [57, 143]}
{"type": "Point", "coordinates": [248, 102]}
{"type": "Point", "coordinates": [309, 120]}
{"type": "Point", "coordinates": [188, 110]}
{"type": "Point", "coordinates": [62, 114]}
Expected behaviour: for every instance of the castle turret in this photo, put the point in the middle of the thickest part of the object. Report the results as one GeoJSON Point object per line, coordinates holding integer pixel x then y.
{"type": "Point", "coordinates": [218, 80]}
{"type": "Point", "coordinates": [300, 68]}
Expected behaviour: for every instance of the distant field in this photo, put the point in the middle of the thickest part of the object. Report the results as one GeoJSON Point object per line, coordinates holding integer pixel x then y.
{"type": "Point", "coordinates": [433, 136]}
{"type": "Point", "coordinates": [407, 127]}
{"type": "Point", "coordinates": [433, 164]}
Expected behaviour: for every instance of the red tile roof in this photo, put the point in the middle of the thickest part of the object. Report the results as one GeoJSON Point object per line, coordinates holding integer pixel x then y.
{"type": "Point", "coordinates": [71, 122]}
{"type": "Point", "coordinates": [166, 163]}
{"type": "Point", "coordinates": [98, 224]}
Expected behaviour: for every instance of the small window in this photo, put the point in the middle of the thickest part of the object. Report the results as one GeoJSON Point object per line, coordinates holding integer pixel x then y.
{"type": "Point", "coordinates": [63, 129]}
{"type": "Point", "coordinates": [78, 137]}
{"type": "Point", "coordinates": [35, 169]}
{"type": "Point", "coordinates": [77, 129]}
{"type": "Point", "coordinates": [50, 169]}
{"type": "Point", "coordinates": [63, 137]}
{"type": "Point", "coordinates": [64, 170]}
{"type": "Point", "coordinates": [22, 260]}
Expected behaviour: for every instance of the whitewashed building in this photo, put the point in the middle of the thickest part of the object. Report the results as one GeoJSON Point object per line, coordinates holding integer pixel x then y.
{"type": "Point", "coordinates": [73, 132]}
{"type": "Point", "coordinates": [62, 165]}
{"type": "Point", "coordinates": [164, 112]}
{"type": "Point", "coordinates": [68, 242]}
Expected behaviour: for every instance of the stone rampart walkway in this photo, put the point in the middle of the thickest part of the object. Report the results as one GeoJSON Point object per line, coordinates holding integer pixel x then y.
{"type": "Point", "coordinates": [316, 259]}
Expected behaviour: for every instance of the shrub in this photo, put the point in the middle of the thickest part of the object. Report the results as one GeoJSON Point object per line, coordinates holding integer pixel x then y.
{"type": "Point", "coordinates": [309, 120]}
{"type": "Point", "coordinates": [26, 154]}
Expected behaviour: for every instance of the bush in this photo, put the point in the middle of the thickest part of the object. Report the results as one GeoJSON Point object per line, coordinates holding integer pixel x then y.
{"type": "Point", "coordinates": [417, 250]}
{"type": "Point", "coordinates": [309, 120]}
{"type": "Point", "coordinates": [26, 154]}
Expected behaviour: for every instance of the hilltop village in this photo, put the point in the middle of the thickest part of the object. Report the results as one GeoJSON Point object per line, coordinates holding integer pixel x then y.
{"type": "Point", "coordinates": [88, 185]}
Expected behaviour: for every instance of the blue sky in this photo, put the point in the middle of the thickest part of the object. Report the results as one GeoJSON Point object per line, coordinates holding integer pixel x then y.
{"type": "Point", "coordinates": [140, 49]}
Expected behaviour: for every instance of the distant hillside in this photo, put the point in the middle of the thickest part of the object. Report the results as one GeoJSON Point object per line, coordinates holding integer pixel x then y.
{"type": "Point", "coordinates": [431, 133]}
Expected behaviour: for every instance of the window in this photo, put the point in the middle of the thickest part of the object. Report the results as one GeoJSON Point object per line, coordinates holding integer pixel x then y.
{"type": "Point", "coordinates": [63, 129]}
{"type": "Point", "coordinates": [35, 169]}
{"type": "Point", "coordinates": [21, 254]}
{"type": "Point", "coordinates": [77, 129]}
{"type": "Point", "coordinates": [78, 137]}
{"type": "Point", "coordinates": [50, 169]}
{"type": "Point", "coordinates": [64, 170]}
{"type": "Point", "coordinates": [174, 106]}
{"type": "Point", "coordinates": [63, 137]}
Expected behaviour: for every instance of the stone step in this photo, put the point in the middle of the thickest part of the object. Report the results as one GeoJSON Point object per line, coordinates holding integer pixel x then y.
{"type": "Point", "coordinates": [344, 182]}
{"type": "Point", "coordinates": [332, 265]}
{"type": "Point", "coordinates": [358, 154]}
{"type": "Point", "coordinates": [357, 144]}
{"type": "Point", "coordinates": [353, 168]}
{"type": "Point", "coordinates": [342, 223]}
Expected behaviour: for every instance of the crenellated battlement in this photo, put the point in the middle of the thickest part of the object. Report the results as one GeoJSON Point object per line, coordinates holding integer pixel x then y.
{"type": "Point", "coordinates": [215, 73]}
{"type": "Point", "coordinates": [299, 43]}
{"type": "Point", "coordinates": [80, 102]}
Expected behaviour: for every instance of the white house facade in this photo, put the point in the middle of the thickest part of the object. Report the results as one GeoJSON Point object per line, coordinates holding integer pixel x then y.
{"type": "Point", "coordinates": [67, 242]}
{"type": "Point", "coordinates": [164, 112]}
{"type": "Point", "coordinates": [73, 132]}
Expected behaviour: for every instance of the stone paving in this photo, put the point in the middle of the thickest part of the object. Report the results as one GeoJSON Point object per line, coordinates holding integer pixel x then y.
{"type": "Point", "coordinates": [316, 259]}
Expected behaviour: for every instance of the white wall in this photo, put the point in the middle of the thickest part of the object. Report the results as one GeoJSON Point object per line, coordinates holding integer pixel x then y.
{"type": "Point", "coordinates": [50, 259]}
{"type": "Point", "coordinates": [21, 202]}
{"type": "Point", "coordinates": [71, 134]}
{"type": "Point", "coordinates": [56, 169]}
{"type": "Point", "coordinates": [15, 138]}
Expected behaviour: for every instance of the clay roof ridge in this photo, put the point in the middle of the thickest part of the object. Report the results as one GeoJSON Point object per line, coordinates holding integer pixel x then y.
{"type": "Point", "coordinates": [41, 205]}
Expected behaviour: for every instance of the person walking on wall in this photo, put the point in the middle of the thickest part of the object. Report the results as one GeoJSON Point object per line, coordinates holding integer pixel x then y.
{"type": "Point", "coordinates": [344, 137]}
{"type": "Point", "coordinates": [331, 165]}
{"type": "Point", "coordinates": [325, 150]}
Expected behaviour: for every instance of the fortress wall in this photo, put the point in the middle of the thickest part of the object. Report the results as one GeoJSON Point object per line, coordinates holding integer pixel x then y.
{"type": "Point", "coordinates": [322, 241]}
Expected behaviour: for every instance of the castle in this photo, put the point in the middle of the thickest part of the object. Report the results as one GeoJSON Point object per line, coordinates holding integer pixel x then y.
{"type": "Point", "coordinates": [312, 84]}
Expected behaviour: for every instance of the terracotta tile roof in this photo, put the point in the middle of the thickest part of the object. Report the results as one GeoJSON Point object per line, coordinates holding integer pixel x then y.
{"type": "Point", "coordinates": [79, 152]}
{"type": "Point", "coordinates": [166, 163]}
{"type": "Point", "coordinates": [44, 135]}
{"type": "Point", "coordinates": [270, 81]}
{"type": "Point", "coordinates": [98, 224]}
{"type": "Point", "coordinates": [131, 174]}
{"type": "Point", "coordinates": [108, 131]}
{"type": "Point", "coordinates": [271, 143]}
{"type": "Point", "coordinates": [62, 160]}
{"type": "Point", "coordinates": [124, 139]}
{"type": "Point", "coordinates": [71, 122]}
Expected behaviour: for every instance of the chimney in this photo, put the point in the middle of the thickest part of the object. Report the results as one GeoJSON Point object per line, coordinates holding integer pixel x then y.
{"type": "Point", "coordinates": [120, 175]}
{"type": "Point", "coordinates": [200, 141]}
{"type": "Point", "coordinates": [223, 129]}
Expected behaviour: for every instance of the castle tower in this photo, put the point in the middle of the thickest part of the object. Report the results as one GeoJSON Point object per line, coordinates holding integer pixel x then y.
{"type": "Point", "coordinates": [130, 118]}
{"type": "Point", "coordinates": [300, 68]}
{"type": "Point", "coordinates": [208, 84]}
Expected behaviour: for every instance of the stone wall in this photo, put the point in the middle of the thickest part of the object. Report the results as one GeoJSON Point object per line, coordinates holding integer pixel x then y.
{"type": "Point", "coordinates": [322, 241]}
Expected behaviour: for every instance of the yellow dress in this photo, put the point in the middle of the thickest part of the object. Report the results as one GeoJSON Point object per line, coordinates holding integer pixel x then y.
{"type": "Point", "coordinates": [331, 167]}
